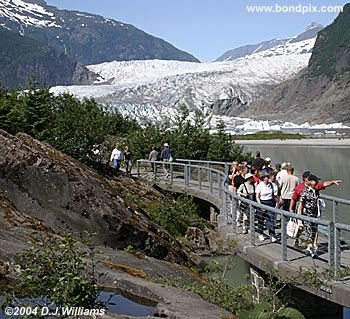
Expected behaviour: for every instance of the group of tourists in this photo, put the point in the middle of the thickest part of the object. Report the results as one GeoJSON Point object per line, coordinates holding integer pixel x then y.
{"type": "Point", "coordinates": [119, 155]}
{"type": "Point", "coordinates": [277, 186]}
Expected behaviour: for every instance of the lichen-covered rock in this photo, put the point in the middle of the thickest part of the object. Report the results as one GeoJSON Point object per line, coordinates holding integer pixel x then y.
{"type": "Point", "coordinates": [39, 183]}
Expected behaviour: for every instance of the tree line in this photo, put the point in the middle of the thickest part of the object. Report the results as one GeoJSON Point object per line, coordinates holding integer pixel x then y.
{"type": "Point", "coordinates": [73, 126]}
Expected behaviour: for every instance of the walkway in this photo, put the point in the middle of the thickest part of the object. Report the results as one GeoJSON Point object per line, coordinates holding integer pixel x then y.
{"type": "Point", "coordinates": [207, 180]}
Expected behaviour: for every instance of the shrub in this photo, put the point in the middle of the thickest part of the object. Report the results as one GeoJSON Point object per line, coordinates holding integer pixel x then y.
{"type": "Point", "coordinates": [175, 216]}
{"type": "Point", "coordinates": [60, 270]}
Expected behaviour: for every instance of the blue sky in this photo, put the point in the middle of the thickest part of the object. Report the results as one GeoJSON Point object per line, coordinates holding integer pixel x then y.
{"type": "Point", "coordinates": [207, 28]}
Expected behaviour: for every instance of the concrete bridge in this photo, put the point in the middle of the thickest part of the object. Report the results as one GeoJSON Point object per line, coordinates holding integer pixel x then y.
{"type": "Point", "coordinates": [207, 181]}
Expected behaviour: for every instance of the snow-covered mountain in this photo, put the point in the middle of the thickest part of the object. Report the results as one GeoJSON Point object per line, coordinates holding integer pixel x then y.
{"type": "Point", "coordinates": [153, 89]}
{"type": "Point", "coordinates": [309, 33]}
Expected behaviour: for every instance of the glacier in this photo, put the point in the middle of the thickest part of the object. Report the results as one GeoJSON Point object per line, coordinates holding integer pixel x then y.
{"type": "Point", "coordinates": [153, 90]}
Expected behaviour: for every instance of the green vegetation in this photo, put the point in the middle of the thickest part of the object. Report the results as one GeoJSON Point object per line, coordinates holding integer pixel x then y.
{"type": "Point", "coordinates": [174, 216]}
{"type": "Point", "coordinates": [73, 127]}
{"type": "Point", "coordinates": [264, 310]}
{"type": "Point", "coordinates": [57, 269]}
{"type": "Point", "coordinates": [331, 53]}
{"type": "Point", "coordinates": [270, 135]}
{"type": "Point", "coordinates": [216, 291]}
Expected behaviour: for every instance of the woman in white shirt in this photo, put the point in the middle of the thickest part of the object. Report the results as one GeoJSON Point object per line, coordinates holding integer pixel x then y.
{"type": "Point", "coordinates": [116, 157]}
{"type": "Point", "coordinates": [266, 193]}
{"type": "Point", "coordinates": [246, 190]}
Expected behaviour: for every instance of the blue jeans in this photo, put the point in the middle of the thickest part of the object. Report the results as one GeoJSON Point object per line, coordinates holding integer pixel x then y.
{"type": "Point", "coordinates": [128, 166]}
{"type": "Point", "coordinates": [116, 164]}
{"type": "Point", "coordinates": [262, 215]}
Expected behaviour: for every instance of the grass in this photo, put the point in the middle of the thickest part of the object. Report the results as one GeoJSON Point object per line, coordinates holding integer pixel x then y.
{"type": "Point", "coordinates": [270, 135]}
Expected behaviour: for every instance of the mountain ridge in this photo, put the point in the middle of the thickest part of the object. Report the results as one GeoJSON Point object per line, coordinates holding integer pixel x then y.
{"type": "Point", "coordinates": [239, 52]}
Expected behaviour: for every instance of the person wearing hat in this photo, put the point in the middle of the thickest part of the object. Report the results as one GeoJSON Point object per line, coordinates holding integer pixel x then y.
{"type": "Point", "coordinates": [166, 155]}
{"type": "Point", "coordinates": [287, 186]}
{"type": "Point", "coordinates": [267, 167]}
{"type": "Point", "coordinates": [246, 190]}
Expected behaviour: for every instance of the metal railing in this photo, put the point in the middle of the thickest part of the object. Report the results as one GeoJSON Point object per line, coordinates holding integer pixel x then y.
{"type": "Point", "coordinates": [204, 177]}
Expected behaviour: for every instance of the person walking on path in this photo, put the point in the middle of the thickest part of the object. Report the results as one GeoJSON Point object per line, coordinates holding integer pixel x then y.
{"type": "Point", "coordinates": [266, 194]}
{"type": "Point", "coordinates": [258, 161]}
{"type": "Point", "coordinates": [116, 157]}
{"type": "Point", "coordinates": [128, 160]}
{"type": "Point", "coordinates": [166, 155]}
{"type": "Point", "coordinates": [153, 157]}
{"type": "Point", "coordinates": [299, 190]}
{"type": "Point", "coordinates": [287, 186]}
{"type": "Point", "coordinates": [309, 206]}
{"type": "Point", "coordinates": [246, 190]}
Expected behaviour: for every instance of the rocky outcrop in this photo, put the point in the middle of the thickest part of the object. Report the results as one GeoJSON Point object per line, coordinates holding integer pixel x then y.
{"type": "Point", "coordinates": [305, 99]}
{"type": "Point", "coordinates": [320, 93]}
{"type": "Point", "coordinates": [39, 185]}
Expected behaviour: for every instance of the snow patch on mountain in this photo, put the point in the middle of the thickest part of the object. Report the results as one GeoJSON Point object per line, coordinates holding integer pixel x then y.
{"type": "Point", "coordinates": [28, 14]}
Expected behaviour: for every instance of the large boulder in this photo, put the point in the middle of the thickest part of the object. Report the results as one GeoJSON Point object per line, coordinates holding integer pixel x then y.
{"type": "Point", "coordinates": [39, 183]}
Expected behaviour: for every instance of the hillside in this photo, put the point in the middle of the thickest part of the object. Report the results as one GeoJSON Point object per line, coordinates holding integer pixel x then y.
{"type": "Point", "coordinates": [320, 93]}
{"type": "Point", "coordinates": [22, 58]}
{"type": "Point", "coordinates": [85, 37]}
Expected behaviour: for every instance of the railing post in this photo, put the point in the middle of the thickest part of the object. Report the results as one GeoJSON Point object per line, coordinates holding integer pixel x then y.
{"type": "Point", "coordinates": [336, 235]}
{"type": "Point", "coordinates": [284, 237]}
{"type": "Point", "coordinates": [186, 175]}
{"type": "Point", "coordinates": [200, 177]}
{"type": "Point", "coordinates": [337, 250]}
{"type": "Point", "coordinates": [171, 173]}
{"type": "Point", "coordinates": [189, 172]}
{"type": "Point", "coordinates": [210, 182]}
{"type": "Point", "coordinates": [252, 224]}
{"type": "Point", "coordinates": [226, 169]}
{"type": "Point", "coordinates": [137, 169]}
{"type": "Point", "coordinates": [233, 213]}
{"type": "Point", "coordinates": [224, 207]}
{"type": "Point", "coordinates": [331, 245]}
{"type": "Point", "coordinates": [219, 183]}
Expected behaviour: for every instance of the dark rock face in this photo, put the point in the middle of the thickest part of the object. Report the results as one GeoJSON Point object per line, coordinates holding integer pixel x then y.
{"type": "Point", "coordinates": [90, 38]}
{"type": "Point", "coordinates": [23, 58]}
{"type": "Point", "coordinates": [40, 183]}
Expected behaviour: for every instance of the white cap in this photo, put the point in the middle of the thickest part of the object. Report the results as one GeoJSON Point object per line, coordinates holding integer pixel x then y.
{"type": "Point", "coordinates": [166, 144]}
{"type": "Point", "coordinates": [268, 159]}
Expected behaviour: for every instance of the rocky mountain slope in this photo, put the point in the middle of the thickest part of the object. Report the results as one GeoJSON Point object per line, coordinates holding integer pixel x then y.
{"type": "Point", "coordinates": [22, 58]}
{"type": "Point", "coordinates": [320, 93]}
{"type": "Point", "coordinates": [84, 37]}
{"type": "Point", "coordinates": [310, 32]}
{"type": "Point", "coordinates": [38, 183]}
{"type": "Point", "coordinates": [154, 89]}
